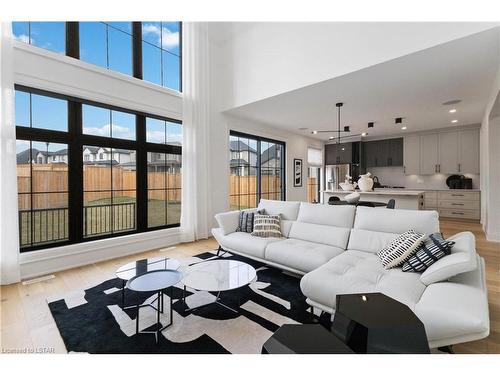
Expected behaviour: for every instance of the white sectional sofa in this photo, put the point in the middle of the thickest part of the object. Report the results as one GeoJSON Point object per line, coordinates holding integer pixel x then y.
{"type": "Point", "coordinates": [334, 248]}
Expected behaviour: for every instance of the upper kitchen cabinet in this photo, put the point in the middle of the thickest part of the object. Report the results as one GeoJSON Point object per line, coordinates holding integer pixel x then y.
{"type": "Point", "coordinates": [384, 153]}
{"type": "Point", "coordinates": [339, 153]}
{"type": "Point", "coordinates": [411, 151]}
{"type": "Point", "coordinates": [429, 153]}
{"type": "Point", "coordinates": [395, 152]}
{"type": "Point", "coordinates": [468, 161]}
{"type": "Point", "coordinates": [448, 153]}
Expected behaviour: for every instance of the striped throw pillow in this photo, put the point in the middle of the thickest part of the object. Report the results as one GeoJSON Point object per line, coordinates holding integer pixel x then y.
{"type": "Point", "coordinates": [433, 248]}
{"type": "Point", "coordinates": [245, 221]}
{"type": "Point", "coordinates": [400, 249]}
{"type": "Point", "coordinates": [267, 226]}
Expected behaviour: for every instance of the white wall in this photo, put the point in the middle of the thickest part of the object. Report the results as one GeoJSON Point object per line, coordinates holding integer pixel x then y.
{"type": "Point", "coordinates": [490, 165]}
{"type": "Point", "coordinates": [271, 58]}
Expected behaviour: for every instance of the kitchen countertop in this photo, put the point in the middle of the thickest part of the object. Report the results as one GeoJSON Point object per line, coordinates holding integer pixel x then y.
{"type": "Point", "coordinates": [408, 192]}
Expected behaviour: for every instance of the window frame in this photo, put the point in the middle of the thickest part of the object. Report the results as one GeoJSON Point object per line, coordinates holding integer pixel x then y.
{"type": "Point", "coordinates": [76, 140]}
{"type": "Point", "coordinates": [72, 44]}
{"type": "Point", "coordinates": [282, 167]}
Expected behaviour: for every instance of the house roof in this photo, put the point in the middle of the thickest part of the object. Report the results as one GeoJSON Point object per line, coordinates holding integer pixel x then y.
{"type": "Point", "coordinates": [101, 162]}
{"type": "Point", "coordinates": [269, 154]}
{"type": "Point", "coordinates": [240, 146]}
{"type": "Point", "coordinates": [24, 156]}
{"type": "Point", "coordinates": [92, 149]}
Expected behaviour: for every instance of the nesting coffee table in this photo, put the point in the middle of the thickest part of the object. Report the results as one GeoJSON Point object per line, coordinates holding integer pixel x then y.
{"type": "Point", "coordinates": [141, 267]}
{"type": "Point", "coordinates": [217, 276]}
{"type": "Point", "coordinates": [155, 281]}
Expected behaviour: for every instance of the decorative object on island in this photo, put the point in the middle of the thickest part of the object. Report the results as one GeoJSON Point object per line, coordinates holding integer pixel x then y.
{"type": "Point", "coordinates": [375, 323]}
{"type": "Point", "coordinates": [352, 198]}
{"type": "Point", "coordinates": [297, 176]}
{"type": "Point", "coordinates": [304, 339]}
{"type": "Point", "coordinates": [348, 185]}
{"type": "Point", "coordinates": [365, 182]}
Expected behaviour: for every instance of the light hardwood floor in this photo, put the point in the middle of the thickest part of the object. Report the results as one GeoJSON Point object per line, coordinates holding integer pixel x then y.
{"type": "Point", "coordinates": [26, 322]}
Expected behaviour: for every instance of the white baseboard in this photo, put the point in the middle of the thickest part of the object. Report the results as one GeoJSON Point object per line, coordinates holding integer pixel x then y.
{"type": "Point", "coordinates": [42, 262]}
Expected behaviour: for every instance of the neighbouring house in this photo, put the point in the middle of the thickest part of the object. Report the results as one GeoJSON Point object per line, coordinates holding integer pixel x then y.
{"type": "Point", "coordinates": [242, 157]}
{"type": "Point", "coordinates": [270, 160]}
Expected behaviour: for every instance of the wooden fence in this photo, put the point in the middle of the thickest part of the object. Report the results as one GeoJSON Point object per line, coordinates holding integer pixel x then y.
{"type": "Point", "coordinates": [53, 178]}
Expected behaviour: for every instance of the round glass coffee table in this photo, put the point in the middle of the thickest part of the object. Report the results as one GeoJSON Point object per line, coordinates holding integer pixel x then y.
{"type": "Point", "coordinates": [155, 281]}
{"type": "Point", "coordinates": [140, 267]}
{"type": "Point", "coordinates": [217, 276]}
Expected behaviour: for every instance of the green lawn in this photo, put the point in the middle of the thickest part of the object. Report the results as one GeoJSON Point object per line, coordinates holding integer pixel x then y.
{"type": "Point", "coordinates": [50, 226]}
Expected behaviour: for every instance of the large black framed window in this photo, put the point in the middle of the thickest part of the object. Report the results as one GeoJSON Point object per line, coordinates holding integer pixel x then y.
{"type": "Point", "coordinates": [257, 170]}
{"type": "Point", "coordinates": [88, 171]}
{"type": "Point", "coordinates": [149, 50]}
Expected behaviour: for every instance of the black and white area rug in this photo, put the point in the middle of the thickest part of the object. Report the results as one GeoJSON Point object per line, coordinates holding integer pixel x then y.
{"type": "Point", "coordinates": [93, 321]}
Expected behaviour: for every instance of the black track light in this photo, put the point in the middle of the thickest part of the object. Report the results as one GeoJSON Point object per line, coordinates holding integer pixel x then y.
{"type": "Point", "coordinates": [346, 129]}
{"type": "Point", "coordinates": [398, 120]}
{"type": "Point", "coordinates": [370, 124]}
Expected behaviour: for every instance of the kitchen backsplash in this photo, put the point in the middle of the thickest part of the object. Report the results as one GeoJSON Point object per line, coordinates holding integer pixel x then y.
{"type": "Point", "coordinates": [394, 176]}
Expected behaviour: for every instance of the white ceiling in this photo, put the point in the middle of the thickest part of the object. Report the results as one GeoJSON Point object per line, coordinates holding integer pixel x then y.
{"type": "Point", "coordinates": [413, 87]}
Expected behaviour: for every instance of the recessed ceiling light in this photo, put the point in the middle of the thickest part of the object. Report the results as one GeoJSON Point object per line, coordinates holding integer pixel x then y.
{"type": "Point", "coordinates": [452, 110]}
{"type": "Point", "coordinates": [364, 134]}
{"type": "Point", "coordinates": [403, 128]}
{"type": "Point", "coordinates": [331, 138]}
{"type": "Point", "coordinates": [315, 132]}
{"type": "Point", "coordinates": [454, 121]}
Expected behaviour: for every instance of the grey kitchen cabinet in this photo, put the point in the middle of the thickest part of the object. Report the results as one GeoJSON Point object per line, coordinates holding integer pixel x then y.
{"type": "Point", "coordinates": [411, 152]}
{"type": "Point", "coordinates": [338, 153]}
{"type": "Point", "coordinates": [429, 153]}
{"type": "Point", "coordinates": [395, 152]}
{"type": "Point", "coordinates": [383, 153]}
{"type": "Point", "coordinates": [448, 153]}
{"type": "Point", "coordinates": [468, 160]}
{"type": "Point", "coordinates": [370, 150]}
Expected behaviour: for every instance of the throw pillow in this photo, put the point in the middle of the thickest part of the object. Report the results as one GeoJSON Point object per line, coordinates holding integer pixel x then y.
{"type": "Point", "coordinates": [432, 249]}
{"type": "Point", "coordinates": [267, 226]}
{"type": "Point", "coordinates": [400, 249]}
{"type": "Point", "coordinates": [246, 219]}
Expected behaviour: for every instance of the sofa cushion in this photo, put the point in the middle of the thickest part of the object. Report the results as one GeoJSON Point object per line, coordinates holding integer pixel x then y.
{"type": "Point", "coordinates": [360, 272]}
{"type": "Point", "coordinates": [324, 234]}
{"type": "Point", "coordinates": [300, 255]}
{"type": "Point", "coordinates": [337, 216]}
{"type": "Point", "coordinates": [369, 241]}
{"type": "Point", "coordinates": [396, 221]}
{"type": "Point", "coordinates": [287, 210]}
{"type": "Point", "coordinates": [462, 259]}
{"type": "Point", "coordinates": [244, 242]}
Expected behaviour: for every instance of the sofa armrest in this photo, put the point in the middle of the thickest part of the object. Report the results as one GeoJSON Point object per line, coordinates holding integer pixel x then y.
{"type": "Point", "coordinates": [457, 310]}
{"type": "Point", "coordinates": [228, 221]}
{"type": "Point", "coordinates": [463, 258]}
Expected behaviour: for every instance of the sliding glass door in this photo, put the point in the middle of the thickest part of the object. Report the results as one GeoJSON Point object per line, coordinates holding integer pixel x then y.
{"type": "Point", "coordinates": [257, 170]}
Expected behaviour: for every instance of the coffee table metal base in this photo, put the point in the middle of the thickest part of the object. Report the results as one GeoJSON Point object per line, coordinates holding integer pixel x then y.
{"type": "Point", "coordinates": [159, 309]}
{"type": "Point", "coordinates": [217, 301]}
{"type": "Point", "coordinates": [150, 304]}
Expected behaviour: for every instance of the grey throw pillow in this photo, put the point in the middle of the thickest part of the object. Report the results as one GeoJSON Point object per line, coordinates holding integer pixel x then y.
{"type": "Point", "coordinates": [267, 226]}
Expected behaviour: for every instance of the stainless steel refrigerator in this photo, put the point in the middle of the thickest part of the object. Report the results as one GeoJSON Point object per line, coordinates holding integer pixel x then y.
{"type": "Point", "coordinates": [335, 174]}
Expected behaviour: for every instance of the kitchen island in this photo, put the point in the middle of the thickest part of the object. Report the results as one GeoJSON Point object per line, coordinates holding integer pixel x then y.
{"type": "Point", "coordinates": [405, 199]}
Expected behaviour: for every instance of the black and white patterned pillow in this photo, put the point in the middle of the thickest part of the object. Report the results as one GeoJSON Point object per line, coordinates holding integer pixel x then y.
{"type": "Point", "coordinates": [267, 226]}
{"type": "Point", "coordinates": [432, 249]}
{"type": "Point", "coordinates": [246, 219]}
{"type": "Point", "coordinates": [400, 249]}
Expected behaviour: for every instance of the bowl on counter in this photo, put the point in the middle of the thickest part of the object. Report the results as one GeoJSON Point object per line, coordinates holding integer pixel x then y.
{"type": "Point", "coordinates": [348, 187]}
{"type": "Point", "coordinates": [352, 198]}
